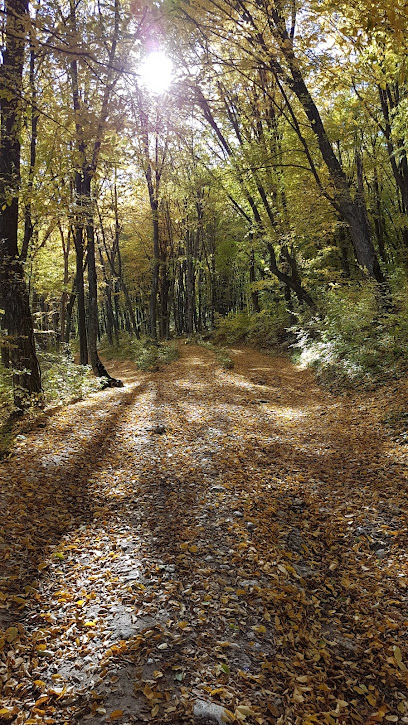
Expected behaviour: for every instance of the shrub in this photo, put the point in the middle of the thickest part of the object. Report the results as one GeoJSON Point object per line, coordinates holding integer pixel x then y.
{"type": "Point", "coordinates": [149, 356]}
{"type": "Point", "coordinates": [6, 393]}
{"type": "Point", "coordinates": [354, 342]}
{"type": "Point", "coordinates": [266, 329]}
{"type": "Point", "coordinates": [63, 380]}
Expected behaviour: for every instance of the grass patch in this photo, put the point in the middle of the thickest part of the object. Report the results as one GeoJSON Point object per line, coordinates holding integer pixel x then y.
{"type": "Point", "coordinates": [221, 354]}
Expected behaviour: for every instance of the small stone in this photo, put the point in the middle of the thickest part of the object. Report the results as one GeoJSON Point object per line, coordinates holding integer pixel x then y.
{"type": "Point", "coordinates": [159, 429]}
{"type": "Point", "coordinates": [209, 712]}
{"type": "Point", "coordinates": [238, 514]}
{"type": "Point", "coordinates": [381, 554]}
{"type": "Point", "coordinates": [249, 583]}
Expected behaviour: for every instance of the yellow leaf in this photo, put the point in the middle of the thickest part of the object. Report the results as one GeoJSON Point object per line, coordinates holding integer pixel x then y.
{"type": "Point", "coordinates": [41, 700]}
{"type": "Point", "coordinates": [154, 711]}
{"type": "Point", "coordinates": [19, 600]}
{"type": "Point", "coordinates": [116, 715]}
{"type": "Point", "coordinates": [193, 549]}
{"type": "Point", "coordinates": [148, 692]}
{"type": "Point", "coordinates": [397, 654]}
{"type": "Point", "coordinates": [6, 712]}
{"type": "Point", "coordinates": [371, 699]}
{"type": "Point", "coordinates": [11, 634]}
{"type": "Point", "coordinates": [259, 628]}
{"type": "Point", "coordinates": [242, 712]}
{"type": "Point", "coordinates": [90, 624]}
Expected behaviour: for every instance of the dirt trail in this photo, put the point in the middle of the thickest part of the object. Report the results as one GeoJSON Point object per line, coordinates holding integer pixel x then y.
{"type": "Point", "coordinates": [201, 534]}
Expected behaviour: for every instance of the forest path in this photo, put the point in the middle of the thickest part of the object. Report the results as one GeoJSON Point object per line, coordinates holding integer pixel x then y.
{"type": "Point", "coordinates": [232, 536]}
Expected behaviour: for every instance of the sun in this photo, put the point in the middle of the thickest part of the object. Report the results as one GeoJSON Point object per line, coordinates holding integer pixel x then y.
{"type": "Point", "coordinates": [156, 72]}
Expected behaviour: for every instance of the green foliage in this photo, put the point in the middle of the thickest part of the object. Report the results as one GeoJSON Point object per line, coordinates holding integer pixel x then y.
{"type": "Point", "coordinates": [221, 354]}
{"type": "Point", "coordinates": [225, 359]}
{"type": "Point", "coordinates": [354, 342]}
{"type": "Point", "coordinates": [266, 329]}
{"type": "Point", "coordinates": [63, 380]}
{"type": "Point", "coordinates": [149, 356]}
{"type": "Point", "coordinates": [6, 392]}
{"type": "Point", "coordinates": [397, 422]}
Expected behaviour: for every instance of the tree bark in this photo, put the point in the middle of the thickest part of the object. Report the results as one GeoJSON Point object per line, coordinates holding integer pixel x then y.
{"type": "Point", "coordinates": [13, 289]}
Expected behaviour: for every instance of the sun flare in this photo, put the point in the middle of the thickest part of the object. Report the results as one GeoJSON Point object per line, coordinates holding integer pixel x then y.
{"type": "Point", "coordinates": [156, 72]}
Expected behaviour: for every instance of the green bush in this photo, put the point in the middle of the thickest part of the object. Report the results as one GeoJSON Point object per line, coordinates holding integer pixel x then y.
{"type": "Point", "coordinates": [266, 329]}
{"type": "Point", "coordinates": [149, 356]}
{"type": "Point", "coordinates": [354, 341]}
{"type": "Point", "coordinates": [6, 393]}
{"type": "Point", "coordinates": [221, 354]}
{"type": "Point", "coordinates": [63, 380]}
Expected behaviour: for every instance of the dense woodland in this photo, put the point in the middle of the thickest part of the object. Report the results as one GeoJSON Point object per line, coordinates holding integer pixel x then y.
{"type": "Point", "coordinates": [221, 185]}
{"type": "Point", "coordinates": [263, 193]}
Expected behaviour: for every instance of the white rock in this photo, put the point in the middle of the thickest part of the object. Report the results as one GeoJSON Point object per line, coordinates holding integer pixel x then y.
{"type": "Point", "coordinates": [209, 711]}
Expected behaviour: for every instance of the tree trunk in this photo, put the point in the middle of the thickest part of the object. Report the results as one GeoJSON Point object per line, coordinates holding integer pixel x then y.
{"type": "Point", "coordinates": [352, 211]}
{"type": "Point", "coordinates": [252, 279]}
{"type": "Point", "coordinates": [28, 222]}
{"type": "Point", "coordinates": [13, 289]}
{"type": "Point", "coordinates": [93, 316]}
{"type": "Point", "coordinates": [155, 269]}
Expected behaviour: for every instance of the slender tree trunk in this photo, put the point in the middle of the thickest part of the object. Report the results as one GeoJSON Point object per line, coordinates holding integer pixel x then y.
{"type": "Point", "coordinates": [252, 279]}
{"type": "Point", "coordinates": [69, 311]}
{"type": "Point", "coordinates": [28, 222]}
{"type": "Point", "coordinates": [80, 284]}
{"type": "Point", "coordinates": [93, 313]}
{"type": "Point", "coordinates": [379, 218]}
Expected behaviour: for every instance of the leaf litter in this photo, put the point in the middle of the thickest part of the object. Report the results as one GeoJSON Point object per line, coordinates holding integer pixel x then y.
{"type": "Point", "coordinates": [182, 547]}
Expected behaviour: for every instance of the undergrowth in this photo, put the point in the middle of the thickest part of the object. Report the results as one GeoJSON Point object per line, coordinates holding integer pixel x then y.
{"type": "Point", "coordinates": [221, 354]}
{"type": "Point", "coordinates": [353, 342]}
{"type": "Point", "coordinates": [148, 355]}
{"type": "Point", "coordinates": [265, 330]}
{"type": "Point", "coordinates": [63, 380]}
